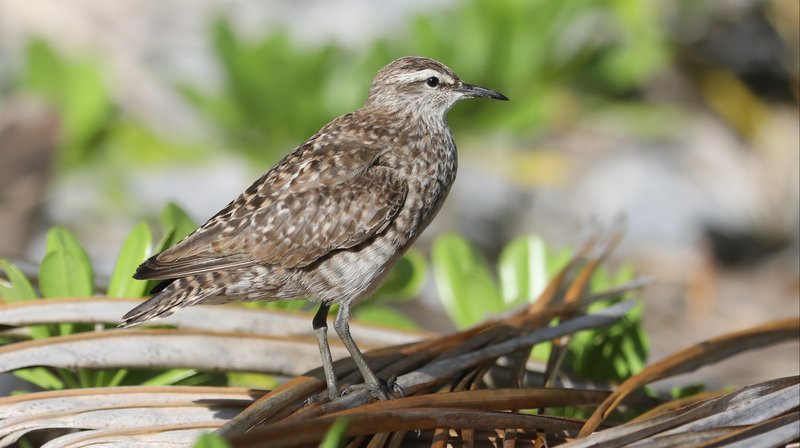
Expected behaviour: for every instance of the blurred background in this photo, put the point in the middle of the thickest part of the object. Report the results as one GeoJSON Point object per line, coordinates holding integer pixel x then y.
{"type": "Point", "coordinates": [680, 116]}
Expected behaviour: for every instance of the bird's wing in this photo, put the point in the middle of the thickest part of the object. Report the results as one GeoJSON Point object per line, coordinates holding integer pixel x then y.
{"type": "Point", "coordinates": [299, 231]}
{"type": "Point", "coordinates": [294, 222]}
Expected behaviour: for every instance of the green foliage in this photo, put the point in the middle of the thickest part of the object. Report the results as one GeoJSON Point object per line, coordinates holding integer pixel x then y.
{"type": "Point", "coordinates": [271, 93]}
{"type": "Point", "coordinates": [377, 314]}
{"type": "Point", "coordinates": [405, 279]}
{"type": "Point", "coordinates": [525, 267]}
{"type": "Point", "coordinates": [210, 440]}
{"type": "Point", "coordinates": [277, 93]}
{"type": "Point", "coordinates": [78, 91]}
{"type": "Point", "coordinates": [616, 352]}
{"type": "Point", "coordinates": [93, 129]}
{"type": "Point", "coordinates": [463, 281]}
{"type": "Point", "coordinates": [177, 223]}
{"type": "Point", "coordinates": [537, 52]}
{"type": "Point", "coordinates": [686, 391]}
{"type": "Point", "coordinates": [19, 287]}
{"type": "Point", "coordinates": [469, 293]}
{"type": "Point", "coordinates": [335, 437]}
{"type": "Point", "coordinates": [134, 251]}
{"type": "Point", "coordinates": [66, 271]}
{"type": "Point", "coordinates": [40, 377]}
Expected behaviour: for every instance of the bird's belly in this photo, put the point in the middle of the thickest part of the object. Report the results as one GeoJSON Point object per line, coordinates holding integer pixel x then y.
{"type": "Point", "coordinates": [350, 275]}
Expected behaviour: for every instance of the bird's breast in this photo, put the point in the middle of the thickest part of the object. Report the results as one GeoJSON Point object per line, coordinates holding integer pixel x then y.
{"type": "Point", "coordinates": [429, 170]}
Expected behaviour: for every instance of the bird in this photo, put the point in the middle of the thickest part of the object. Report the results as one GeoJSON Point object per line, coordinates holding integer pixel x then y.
{"type": "Point", "coordinates": [332, 217]}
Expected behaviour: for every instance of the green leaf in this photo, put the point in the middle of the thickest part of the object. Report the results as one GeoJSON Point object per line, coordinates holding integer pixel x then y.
{"type": "Point", "coordinates": [405, 280]}
{"type": "Point", "coordinates": [252, 380]}
{"type": "Point", "coordinates": [463, 280]}
{"type": "Point", "coordinates": [600, 280]}
{"type": "Point", "coordinates": [86, 378]}
{"type": "Point", "coordinates": [626, 273]}
{"type": "Point", "coordinates": [82, 284]}
{"type": "Point", "coordinates": [335, 437]}
{"type": "Point", "coordinates": [70, 381]}
{"type": "Point", "coordinates": [522, 270]}
{"type": "Point", "coordinates": [558, 260]}
{"type": "Point", "coordinates": [41, 64]}
{"type": "Point", "coordinates": [541, 351]}
{"type": "Point", "coordinates": [85, 105]}
{"type": "Point", "coordinates": [20, 289]}
{"type": "Point", "coordinates": [174, 217]}
{"type": "Point", "coordinates": [134, 251]}
{"type": "Point", "coordinates": [635, 361]}
{"type": "Point", "coordinates": [286, 305]}
{"type": "Point", "coordinates": [62, 274]}
{"type": "Point", "coordinates": [384, 316]}
{"type": "Point", "coordinates": [41, 377]}
{"type": "Point", "coordinates": [171, 376]}
{"type": "Point", "coordinates": [116, 379]}
{"type": "Point", "coordinates": [167, 240]}
{"type": "Point", "coordinates": [687, 391]}
{"type": "Point", "coordinates": [210, 440]}
{"type": "Point", "coordinates": [77, 90]}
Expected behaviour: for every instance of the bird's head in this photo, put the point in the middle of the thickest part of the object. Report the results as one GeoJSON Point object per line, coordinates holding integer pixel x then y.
{"type": "Point", "coordinates": [422, 86]}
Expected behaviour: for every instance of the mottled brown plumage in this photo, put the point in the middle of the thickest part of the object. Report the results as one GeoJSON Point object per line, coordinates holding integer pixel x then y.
{"type": "Point", "coordinates": [333, 216]}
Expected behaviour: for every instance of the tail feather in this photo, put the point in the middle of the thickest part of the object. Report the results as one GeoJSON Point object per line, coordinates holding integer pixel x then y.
{"type": "Point", "coordinates": [175, 295]}
{"type": "Point", "coordinates": [156, 307]}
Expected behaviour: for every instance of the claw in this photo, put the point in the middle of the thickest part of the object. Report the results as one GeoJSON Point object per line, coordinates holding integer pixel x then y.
{"type": "Point", "coordinates": [384, 390]}
{"type": "Point", "coordinates": [345, 391]}
{"type": "Point", "coordinates": [380, 392]}
{"type": "Point", "coordinates": [396, 389]}
{"type": "Point", "coordinates": [316, 398]}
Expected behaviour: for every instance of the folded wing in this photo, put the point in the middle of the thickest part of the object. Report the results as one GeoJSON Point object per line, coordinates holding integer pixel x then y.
{"type": "Point", "coordinates": [295, 227]}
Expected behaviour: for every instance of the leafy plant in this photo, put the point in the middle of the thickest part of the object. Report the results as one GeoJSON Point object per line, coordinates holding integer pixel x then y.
{"type": "Point", "coordinates": [275, 92]}
{"type": "Point", "coordinates": [538, 52]}
{"type": "Point", "coordinates": [270, 98]}
{"type": "Point", "coordinates": [210, 440]}
{"type": "Point", "coordinates": [335, 437]}
{"type": "Point", "coordinates": [93, 128]}
{"type": "Point", "coordinates": [66, 271]}
{"type": "Point", "coordinates": [78, 91]}
{"type": "Point", "coordinates": [469, 292]}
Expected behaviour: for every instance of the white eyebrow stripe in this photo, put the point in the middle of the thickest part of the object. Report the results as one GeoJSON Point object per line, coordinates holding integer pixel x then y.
{"type": "Point", "coordinates": [421, 76]}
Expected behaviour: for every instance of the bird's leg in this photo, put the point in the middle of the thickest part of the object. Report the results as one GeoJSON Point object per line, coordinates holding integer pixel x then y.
{"type": "Point", "coordinates": [320, 323]}
{"type": "Point", "coordinates": [342, 326]}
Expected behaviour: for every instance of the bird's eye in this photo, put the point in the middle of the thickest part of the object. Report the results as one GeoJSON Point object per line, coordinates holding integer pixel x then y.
{"type": "Point", "coordinates": [432, 81]}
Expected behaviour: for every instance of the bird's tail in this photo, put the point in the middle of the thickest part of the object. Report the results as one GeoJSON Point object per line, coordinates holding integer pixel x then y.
{"type": "Point", "coordinates": [175, 295]}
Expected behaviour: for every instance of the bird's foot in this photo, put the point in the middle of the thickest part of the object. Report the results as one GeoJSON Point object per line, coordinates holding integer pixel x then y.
{"type": "Point", "coordinates": [397, 390]}
{"type": "Point", "coordinates": [316, 399]}
{"type": "Point", "coordinates": [320, 398]}
{"type": "Point", "coordinates": [381, 390]}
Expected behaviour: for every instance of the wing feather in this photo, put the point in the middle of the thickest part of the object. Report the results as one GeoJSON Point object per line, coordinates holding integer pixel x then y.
{"type": "Point", "coordinates": [305, 215]}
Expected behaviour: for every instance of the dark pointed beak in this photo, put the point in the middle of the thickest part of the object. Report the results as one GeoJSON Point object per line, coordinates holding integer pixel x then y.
{"type": "Point", "coordinates": [470, 91]}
